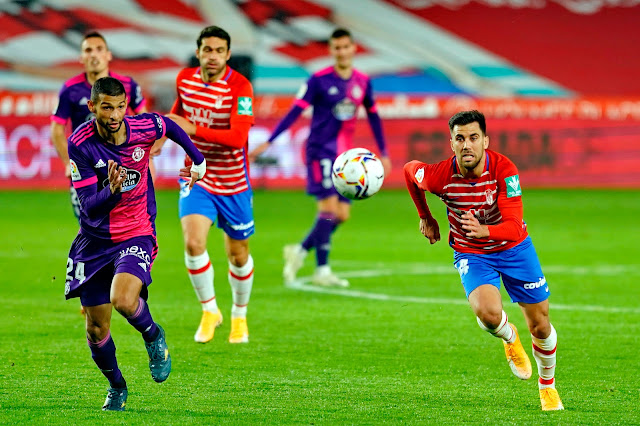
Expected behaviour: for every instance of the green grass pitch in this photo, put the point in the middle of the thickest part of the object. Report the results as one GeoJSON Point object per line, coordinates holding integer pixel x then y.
{"type": "Point", "coordinates": [399, 346]}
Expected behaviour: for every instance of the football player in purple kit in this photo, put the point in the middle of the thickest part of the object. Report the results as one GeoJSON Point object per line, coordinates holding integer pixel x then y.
{"type": "Point", "coordinates": [75, 93]}
{"type": "Point", "coordinates": [335, 93]}
{"type": "Point", "coordinates": [110, 260]}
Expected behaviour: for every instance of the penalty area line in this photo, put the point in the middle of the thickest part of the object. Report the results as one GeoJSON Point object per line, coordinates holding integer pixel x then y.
{"type": "Point", "coordinates": [302, 284]}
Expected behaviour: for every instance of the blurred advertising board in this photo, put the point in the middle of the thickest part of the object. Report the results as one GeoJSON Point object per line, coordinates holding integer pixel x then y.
{"type": "Point", "coordinates": [562, 143]}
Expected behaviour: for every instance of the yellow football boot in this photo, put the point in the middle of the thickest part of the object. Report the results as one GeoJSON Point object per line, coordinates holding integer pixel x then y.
{"type": "Point", "coordinates": [517, 358]}
{"type": "Point", "coordinates": [208, 324]}
{"type": "Point", "coordinates": [550, 399]}
{"type": "Point", "coordinates": [239, 331]}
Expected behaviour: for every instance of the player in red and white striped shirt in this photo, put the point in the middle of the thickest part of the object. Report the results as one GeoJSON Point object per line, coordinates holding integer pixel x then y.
{"type": "Point", "coordinates": [215, 107]}
{"type": "Point", "coordinates": [481, 189]}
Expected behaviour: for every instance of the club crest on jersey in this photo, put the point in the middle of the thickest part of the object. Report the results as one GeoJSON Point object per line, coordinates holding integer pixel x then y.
{"type": "Point", "coordinates": [131, 180]}
{"type": "Point", "coordinates": [420, 175]}
{"type": "Point", "coordinates": [489, 196]}
{"type": "Point", "coordinates": [356, 92]}
{"type": "Point", "coordinates": [75, 173]}
{"type": "Point", "coordinates": [245, 105]}
{"type": "Point", "coordinates": [138, 154]}
{"type": "Point", "coordinates": [513, 186]}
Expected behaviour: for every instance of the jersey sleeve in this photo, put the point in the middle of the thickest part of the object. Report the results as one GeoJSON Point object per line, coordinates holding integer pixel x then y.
{"type": "Point", "coordinates": [307, 93]}
{"type": "Point", "coordinates": [417, 175]}
{"type": "Point", "coordinates": [242, 109]}
{"type": "Point", "coordinates": [63, 110]}
{"type": "Point", "coordinates": [137, 102]}
{"type": "Point", "coordinates": [509, 202]}
{"type": "Point", "coordinates": [93, 203]}
{"type": "Point", "coordinates": [368, 101]}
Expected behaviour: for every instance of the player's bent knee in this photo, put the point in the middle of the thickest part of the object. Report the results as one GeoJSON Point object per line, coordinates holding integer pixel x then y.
{"type": "Point", "coordinates": [490, 320]}
{"type": "Point", "coordinates": [195, 246]}
{"type": "Point", "coordinates": [540, 330]}
{"type": "Point", "coordinates": [125, 304]}
{"type": "Point", "coordinates": [97, 332]}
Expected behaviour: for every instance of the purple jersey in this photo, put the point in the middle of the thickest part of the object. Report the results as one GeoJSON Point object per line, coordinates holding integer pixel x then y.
{"type": "Point", "coordinates": [335, 104]}
{"type": "Point", "coordinates": [76, 92]}
{"type": "Point", "coordinates": [131, 212]}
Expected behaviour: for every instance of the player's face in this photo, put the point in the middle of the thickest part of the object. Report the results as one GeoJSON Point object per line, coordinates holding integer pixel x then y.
{"type": "Point", "coordinates": [109, 111]}
{"type": "Point", "coordinates": [342, 49]}
{"type": "Point", "coordinates": [95, 55]}
{"type": "Point", "coordinates": [213, 55]}
{"type": "Point", "coordinates": [469, 143]}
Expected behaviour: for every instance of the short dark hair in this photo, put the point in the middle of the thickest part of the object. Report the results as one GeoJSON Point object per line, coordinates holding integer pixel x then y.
{"type": "Point", "coordinates": [95, 34]}
{"type": "Point", "coordinates": [106, 86]}
{"type": "Point", "coordinates": [214, 31]}
{"type": "Point", "coordinates": [468, 117]}
{"type": "Point", "coordinates": [340, 32]}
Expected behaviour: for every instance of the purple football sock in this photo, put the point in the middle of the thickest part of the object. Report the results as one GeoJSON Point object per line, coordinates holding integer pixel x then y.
{"type": "Point", "coordinates": [104, 355]}
{"type": "Point", "coordinates": [141, 320]}
{"type": "Point", "coordinates": [324, 227]}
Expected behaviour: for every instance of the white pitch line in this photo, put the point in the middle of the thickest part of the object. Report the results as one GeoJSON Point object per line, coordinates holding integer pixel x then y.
{"type": "Point", "coordinates": [302, 284]}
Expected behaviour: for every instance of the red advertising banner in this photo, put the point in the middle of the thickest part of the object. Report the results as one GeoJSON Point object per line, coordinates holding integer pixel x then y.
{"type": "Point", "coordinates": [564, 143]}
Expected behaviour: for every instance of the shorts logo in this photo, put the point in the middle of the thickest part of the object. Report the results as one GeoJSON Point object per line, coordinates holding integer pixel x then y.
{"type": "Point", "coordinates": [513, 186]}
{"type": "Point", "coordinates": [67, 288]}
{"type": "Point", "coordinates": [139, 253]}
{"type": "Point", "coordinates": [245, 105]}
{"type": "Point", "coordinates": [138, 154]}
{"type": "Point", "coordinates": [540, 283]}
{"type": "Point", "coordinates": [143, 266]}
{"type": "Point", "coordinates": [75, 173]}
{"type": "Point", "coordinates": [420, 175]}
{"type": "Point", "coordinates": [463, 267]}
{"type": "Point", "coordinates": [242, 226]}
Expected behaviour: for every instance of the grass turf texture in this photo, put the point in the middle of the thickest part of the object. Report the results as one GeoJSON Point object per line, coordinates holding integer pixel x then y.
{"type": "Point", "coordinates": [326, 358]}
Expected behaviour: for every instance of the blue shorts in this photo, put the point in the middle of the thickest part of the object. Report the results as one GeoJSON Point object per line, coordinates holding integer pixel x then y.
{"type": "Point", "coordinates": [232, 213]}
{"type": "Point", "coordinates": [92, 265]}
{"type": "Point", "coordinates": [319, 183]}
{"type": "Point", "coordinates": [518, 266]}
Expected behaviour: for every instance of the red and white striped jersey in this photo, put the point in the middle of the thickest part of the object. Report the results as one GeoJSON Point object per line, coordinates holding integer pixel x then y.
{"type": "Point", "coordinates": [494, 198]}
{"type": "Point", "coordinates": [218, 106]}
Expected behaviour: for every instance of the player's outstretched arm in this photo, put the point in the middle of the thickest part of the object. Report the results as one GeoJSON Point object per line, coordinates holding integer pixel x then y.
{"type": "Point", "coordinates": [199, 167]}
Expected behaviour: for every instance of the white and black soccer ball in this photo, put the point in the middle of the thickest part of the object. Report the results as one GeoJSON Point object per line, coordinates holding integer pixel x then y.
{"type": "Point", "coordinates": [357, 174]}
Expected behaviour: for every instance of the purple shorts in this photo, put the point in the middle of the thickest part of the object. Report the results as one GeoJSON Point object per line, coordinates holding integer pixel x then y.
{"type": "Point", "coordinates": [92, 265]}
{"type": "Point", "coordinates": [319, 183]}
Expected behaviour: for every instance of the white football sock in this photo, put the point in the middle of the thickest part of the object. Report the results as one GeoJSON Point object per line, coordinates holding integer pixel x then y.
{"type": "Point", "coordinates": [503, 331]}
{"type": "Point", "coordinates": [201, 276]}
{"type": "Point", "coordinates": [241, 281]}
{"type": "Point", "coordinates": [544, 352]}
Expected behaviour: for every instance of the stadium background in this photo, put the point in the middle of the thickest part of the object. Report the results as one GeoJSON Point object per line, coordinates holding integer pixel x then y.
{"type": "Point", "coordinates": [556, 79]}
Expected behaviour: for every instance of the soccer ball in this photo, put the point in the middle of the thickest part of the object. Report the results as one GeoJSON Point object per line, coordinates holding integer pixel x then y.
{"type": "Point", "coordinates": [357, 174]}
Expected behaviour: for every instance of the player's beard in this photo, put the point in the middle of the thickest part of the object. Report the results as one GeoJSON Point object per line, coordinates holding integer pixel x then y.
{"type": "Point", "coordinates": [106, 127]}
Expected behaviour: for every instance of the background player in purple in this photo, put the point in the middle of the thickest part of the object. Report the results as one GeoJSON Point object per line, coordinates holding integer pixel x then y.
{"type": "Point", "coordinates": [76, 92]}
{"type": "Point", "coordinates": [110, 260]}
{"type": "Point", "coordinates": [335, 93]}
{"type": "Point", "coordinates": [481, 189]}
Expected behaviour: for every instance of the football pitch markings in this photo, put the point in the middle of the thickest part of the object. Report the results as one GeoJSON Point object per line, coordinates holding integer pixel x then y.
{"type": "Point", "coordinates": [302, 284]}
